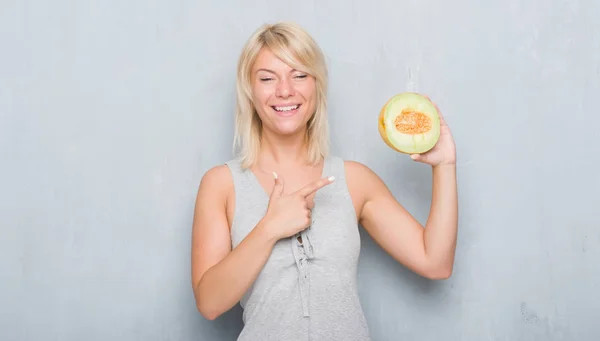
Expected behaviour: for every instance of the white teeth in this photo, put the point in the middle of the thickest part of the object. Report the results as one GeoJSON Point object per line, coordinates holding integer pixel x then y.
{"type": "Point", "coordinates": [286, 108]}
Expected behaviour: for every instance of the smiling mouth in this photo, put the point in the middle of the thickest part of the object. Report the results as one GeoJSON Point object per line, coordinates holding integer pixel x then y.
{"type": "Point", "coordinates": [285, 109]}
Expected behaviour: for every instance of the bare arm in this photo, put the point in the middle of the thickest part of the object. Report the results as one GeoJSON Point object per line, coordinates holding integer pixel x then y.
{"type": "Point", "coordinates": [428, 251]}
{"type": "Point", "coordinates": [221, 276]}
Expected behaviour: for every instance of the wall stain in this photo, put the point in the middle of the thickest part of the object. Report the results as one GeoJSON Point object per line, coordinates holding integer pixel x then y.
{"type": "Point", "coordinates": [529, 316]}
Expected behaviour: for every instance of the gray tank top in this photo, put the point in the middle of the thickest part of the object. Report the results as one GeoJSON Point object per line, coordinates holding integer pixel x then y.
{"type": "Point", "coordinates": [306, 291]}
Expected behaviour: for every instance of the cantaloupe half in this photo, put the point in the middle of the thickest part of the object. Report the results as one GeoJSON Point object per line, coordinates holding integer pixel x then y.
{"type": "Point", "coordinates": [409, 123]}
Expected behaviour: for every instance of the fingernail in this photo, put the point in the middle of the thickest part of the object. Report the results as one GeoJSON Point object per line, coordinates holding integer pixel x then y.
{"type": "Point", "coordinates": [275, 175]}
{"type": "Point", "coordinates": [331, 178]}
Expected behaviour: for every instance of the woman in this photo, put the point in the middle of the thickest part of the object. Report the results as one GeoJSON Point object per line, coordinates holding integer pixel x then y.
{"type": "Point", "coordinates": [276, 228]}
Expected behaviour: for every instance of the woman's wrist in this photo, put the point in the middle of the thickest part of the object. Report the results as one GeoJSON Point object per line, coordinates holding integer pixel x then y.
{"type": "Point", "coordinates": [266, 231]}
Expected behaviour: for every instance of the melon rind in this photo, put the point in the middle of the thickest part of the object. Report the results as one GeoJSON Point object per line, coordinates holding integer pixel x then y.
{"type": "Point", "coordinates": [408, 143]}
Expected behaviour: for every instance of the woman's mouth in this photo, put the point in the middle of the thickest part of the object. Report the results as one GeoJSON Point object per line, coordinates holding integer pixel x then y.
{"type": "Point", "coordinates": [286, 110]}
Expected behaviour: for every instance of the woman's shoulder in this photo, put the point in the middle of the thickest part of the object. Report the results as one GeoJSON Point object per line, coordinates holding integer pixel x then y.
{"type": "Point", "coordinates": [361, 179]}
{"type": "Point", "coordinates": [217, 180]}
{"type": "Point", "coordinates": [356, 169]}
{"type": "Point", "coordinates": [223, 171]}
{"type": "Point", "coordinates": [349, 165]}
{"type": "Point", "coordinates": [217, 172]}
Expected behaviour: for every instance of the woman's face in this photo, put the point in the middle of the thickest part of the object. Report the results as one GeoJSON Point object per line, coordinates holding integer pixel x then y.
{"type": "Point", "coordinates": [284, 98]}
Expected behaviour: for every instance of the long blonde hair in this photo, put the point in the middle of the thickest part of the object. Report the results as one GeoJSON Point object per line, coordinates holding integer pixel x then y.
{"type": "Point", "coordinates": [296, 47]}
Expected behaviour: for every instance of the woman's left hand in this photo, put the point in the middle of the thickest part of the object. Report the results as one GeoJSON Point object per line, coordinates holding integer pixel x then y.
{"type": "Point", "coordinates": [444, 151]}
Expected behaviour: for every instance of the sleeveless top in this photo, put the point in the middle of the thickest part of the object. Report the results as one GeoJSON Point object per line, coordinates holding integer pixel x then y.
{"type": "Point", "coordinates": [306, 290]}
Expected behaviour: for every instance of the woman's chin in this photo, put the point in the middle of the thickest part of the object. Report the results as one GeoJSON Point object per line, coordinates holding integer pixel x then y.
{"type": "Point", "coordinates": [289, 128]}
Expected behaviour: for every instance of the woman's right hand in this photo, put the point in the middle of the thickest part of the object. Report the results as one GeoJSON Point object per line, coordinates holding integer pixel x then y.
{"type": "Point", "coordinates": [289, 214]}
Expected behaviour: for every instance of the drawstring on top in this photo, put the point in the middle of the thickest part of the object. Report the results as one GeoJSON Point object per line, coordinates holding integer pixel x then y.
{"type": "Point", "coordinates": [303, 251]}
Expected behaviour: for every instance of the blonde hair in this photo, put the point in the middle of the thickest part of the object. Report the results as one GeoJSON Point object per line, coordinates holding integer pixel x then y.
{"type": "Point", "coordinates": [295, 47]}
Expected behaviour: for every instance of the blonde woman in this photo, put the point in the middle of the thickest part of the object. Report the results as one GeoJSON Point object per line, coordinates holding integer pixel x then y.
{"type": "Point", "coordinates": [276, 228]}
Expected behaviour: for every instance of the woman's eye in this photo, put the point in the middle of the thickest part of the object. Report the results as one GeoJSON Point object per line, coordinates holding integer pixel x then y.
{"type": "Point", "coordinates": [301, 76]}
{"type": "Point", "coordinates": [266, 79]}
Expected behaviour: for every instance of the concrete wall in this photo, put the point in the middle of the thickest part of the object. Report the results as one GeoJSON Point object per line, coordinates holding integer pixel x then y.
{"type": "Point", "coordinates": [111, 111]}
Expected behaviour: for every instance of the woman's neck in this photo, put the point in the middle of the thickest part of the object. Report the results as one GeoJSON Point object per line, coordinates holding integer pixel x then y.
{"type": "Point", "coordinates": [287, 152]}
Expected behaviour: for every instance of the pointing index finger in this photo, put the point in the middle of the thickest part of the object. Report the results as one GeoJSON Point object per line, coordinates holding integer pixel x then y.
{"type": "Point", "coordinates": [315, 186]}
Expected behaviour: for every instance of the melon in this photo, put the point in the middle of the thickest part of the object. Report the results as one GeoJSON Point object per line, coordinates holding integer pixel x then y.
{"type": "Point", "coordinates": [409, 123]}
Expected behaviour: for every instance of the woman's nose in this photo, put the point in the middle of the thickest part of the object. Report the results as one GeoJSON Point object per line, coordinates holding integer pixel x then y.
{"type": "Point", "coordinates": [284, 88]}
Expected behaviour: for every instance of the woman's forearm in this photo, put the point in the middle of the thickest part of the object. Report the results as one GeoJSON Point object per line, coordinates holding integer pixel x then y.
{"type": "Point", "coordinates": [223, 285]}
{"type": "Point", "coordinates": [442, 225]}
